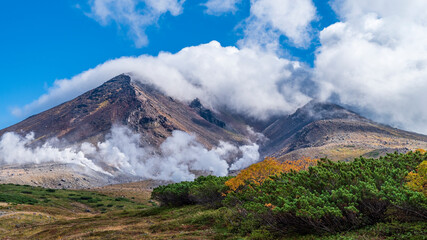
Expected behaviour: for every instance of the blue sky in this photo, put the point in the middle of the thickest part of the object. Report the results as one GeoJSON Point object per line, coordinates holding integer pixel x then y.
{"type": "Point", "coordinates": [48, 40]}
{"type": "Point", "coordinates": [43, 41]}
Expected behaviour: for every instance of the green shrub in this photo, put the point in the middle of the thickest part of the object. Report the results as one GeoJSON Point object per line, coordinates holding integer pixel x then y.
{"type": "Point", "coordinates": [17, 198]}
{"type": "Point", "coordinates": [333, 196]}
{"type": "Point", "coordinates": [204, 190]}
{"type": "Point", "coordinates": [85, 197]}
{"type": "Point", "coordinates": [208, 190]}
{"type": "Point", "coordinates": [118, 199]}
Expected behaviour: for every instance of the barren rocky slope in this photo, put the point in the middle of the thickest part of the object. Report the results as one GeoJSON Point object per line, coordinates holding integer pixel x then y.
{"type": "Point", "coordinates": [328, 130]}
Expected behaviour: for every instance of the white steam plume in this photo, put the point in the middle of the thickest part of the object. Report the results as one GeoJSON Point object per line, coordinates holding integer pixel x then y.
{"type": "Point", "coordinates": [177, 158]}
{"type": "Point", "coordinates": [14, 150]}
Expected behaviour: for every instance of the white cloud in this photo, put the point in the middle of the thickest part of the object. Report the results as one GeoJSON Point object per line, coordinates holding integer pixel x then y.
{"type": "Point", "coordinates": [247, 81]}
{"type": "Point", "coordinates": [376, 59]}
{"type": "Point", "coordinates": [133, 15]}
{"type": "Point", "coordinates": [269, 19]}
{"type": "Point", "coordinates": [218, 7]}
{"type": "Point", "coordinates": [122, 154]}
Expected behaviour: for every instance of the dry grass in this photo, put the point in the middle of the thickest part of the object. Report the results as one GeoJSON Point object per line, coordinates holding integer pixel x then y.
{"type": "Point", "coordinates": [139, 219]}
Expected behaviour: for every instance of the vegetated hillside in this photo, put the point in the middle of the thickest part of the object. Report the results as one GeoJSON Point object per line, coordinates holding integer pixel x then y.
{"type": "Point", "coordinates": [383, 198]}
{"type": "Point", "coordinates": [384, 201]}
{"type": "Point", "coordinates": [327, 130]}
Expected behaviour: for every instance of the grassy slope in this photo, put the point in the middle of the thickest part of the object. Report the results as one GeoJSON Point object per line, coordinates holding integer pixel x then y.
{"type": "Point", "coordinates": [103, 214]}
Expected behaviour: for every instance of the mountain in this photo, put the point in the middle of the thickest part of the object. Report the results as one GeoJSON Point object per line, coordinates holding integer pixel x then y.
{"type": "Point", "coordinates": [141, 107]}
{"type": "Point", "coordinates": [315, 130]}
{"type": "Point", "coordinates": [328, 130]}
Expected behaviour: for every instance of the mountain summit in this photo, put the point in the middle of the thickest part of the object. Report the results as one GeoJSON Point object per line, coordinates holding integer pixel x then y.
{"type": "Point", "coordinates": [140, 107]}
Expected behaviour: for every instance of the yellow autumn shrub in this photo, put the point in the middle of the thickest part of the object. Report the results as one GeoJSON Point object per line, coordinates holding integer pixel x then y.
{"type": "Point", "coordinates": [257, 173]}
{"type": "Point", "coordinates": [417, 181]}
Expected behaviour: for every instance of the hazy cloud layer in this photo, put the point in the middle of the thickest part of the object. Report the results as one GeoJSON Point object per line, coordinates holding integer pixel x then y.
{"type": "Point", "coordinates": [376, 59]}
{"type": "Point", "coordinates": [133, 15]}
{"type": "Point", "coordinates": [249, 82]}
{"type": "Point", "coordinates": [177, 157]}
{"type": "Point", "coordinates": [218, 7]}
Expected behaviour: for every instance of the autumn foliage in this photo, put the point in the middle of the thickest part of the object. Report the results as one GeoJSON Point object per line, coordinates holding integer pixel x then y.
{"type": "Point", "coordinates": [259, 172]}
{"type": "Point", "coordinates": [417, 180]}
{"type": "Point", "coordinates": [332, 196]}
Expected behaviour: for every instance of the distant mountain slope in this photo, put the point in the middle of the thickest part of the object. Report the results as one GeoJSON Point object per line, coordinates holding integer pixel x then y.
{"type": "Point", "coordinates": [328, 130]}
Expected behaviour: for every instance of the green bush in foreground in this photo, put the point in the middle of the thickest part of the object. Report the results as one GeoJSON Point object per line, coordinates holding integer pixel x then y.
{"type": "Point", "coordinates": [204, 190]}
{"type": "Point", "coordinates": [17, 198]}
{"type": "Point", "coordinates": [333, 196]}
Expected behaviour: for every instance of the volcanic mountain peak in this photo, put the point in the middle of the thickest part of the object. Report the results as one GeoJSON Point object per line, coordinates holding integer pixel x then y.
{"type": "Point", "coordinates": [122, 101]}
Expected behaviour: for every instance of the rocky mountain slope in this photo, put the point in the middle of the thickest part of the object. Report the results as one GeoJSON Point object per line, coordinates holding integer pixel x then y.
{"type": "Point", "coordinates": [315, 130]}
{"type": "Point", "coordinates": [328, 130]}
{"type": "Point", "coordinates": [141, 107]}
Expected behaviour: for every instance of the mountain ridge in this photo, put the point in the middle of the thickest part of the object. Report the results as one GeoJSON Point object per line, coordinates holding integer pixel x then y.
{"type": "Point", "coordinates": [315, 130]}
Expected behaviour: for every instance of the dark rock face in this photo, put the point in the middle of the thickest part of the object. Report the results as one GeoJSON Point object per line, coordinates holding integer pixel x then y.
{"type": "Point", "coordinates": [206, 114]}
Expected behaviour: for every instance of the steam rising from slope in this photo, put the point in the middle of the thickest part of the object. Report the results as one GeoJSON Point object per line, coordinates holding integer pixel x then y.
{"type": "Point", "coordinates": [122, 154]}
{"type": "Point", "coordinates": [14, 150]}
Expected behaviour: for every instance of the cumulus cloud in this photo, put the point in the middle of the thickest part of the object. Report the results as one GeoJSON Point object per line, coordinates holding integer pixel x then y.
{"type": "Point", "coordinates": [133, 15]}
{"type": "Point", "coordinates": [375, 59]}
{"type": "Point", "coordinates": [246, 81]}
{"type": "Point", "coordinates": [270, 19]}
{"type": "Point", "coordinates": [218, 7]}
{"type": "Point", "coordinates": [122, 154]}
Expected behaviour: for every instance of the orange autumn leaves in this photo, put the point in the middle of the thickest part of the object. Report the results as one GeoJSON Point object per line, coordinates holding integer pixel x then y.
{"type": "Point", "coordinates": [259, 172]}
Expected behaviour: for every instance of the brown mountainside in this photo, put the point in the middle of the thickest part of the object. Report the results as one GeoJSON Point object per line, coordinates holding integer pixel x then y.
{"type": "Point", "coordinates": [122, 101]}
{"type": "Point", "coordinates": [328, 130]}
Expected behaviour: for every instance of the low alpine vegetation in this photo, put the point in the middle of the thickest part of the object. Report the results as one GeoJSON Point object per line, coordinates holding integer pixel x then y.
{"type": "Point", "coordinates": [318, 197]}
{"type": "Point", "coordinates": [204, 190]}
